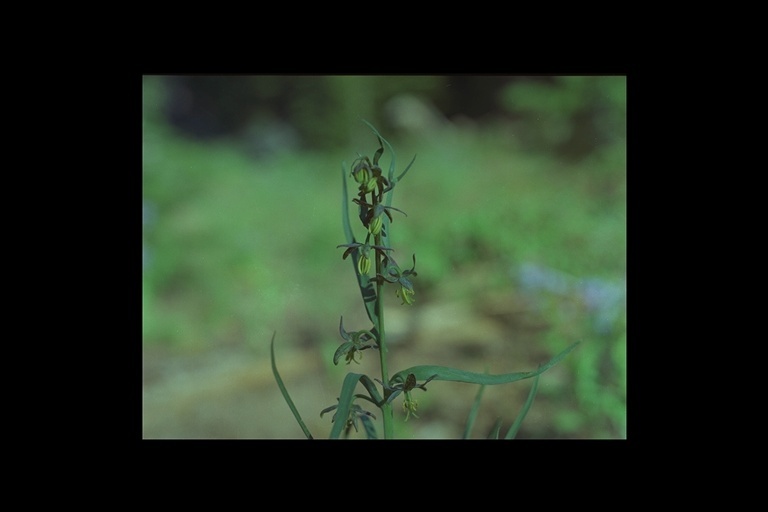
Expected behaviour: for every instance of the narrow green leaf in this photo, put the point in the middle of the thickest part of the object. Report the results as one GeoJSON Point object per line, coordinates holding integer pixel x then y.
{"type": "Point", "coordinates": [392, 163]}
{"type": "Point", "coordinates": [378, 153]}
{"type": "Point", "coordinates": [494, 433]}
{"type": "Point", "coordinates": [369, 385]}
{"type": "Point", "coordinates": [367, 291]}
{"type": "Point", "coordinates": [406, 169]}
{"type": "Point", "coordinates": [473, 412]}
{"type": "Point", "coordinates": [512, 432]}
{"type": "Point", "coordinates": [366, 398]}
{"type": "Point", "coordinates": [366, 287]}
{"type": "Point", "coordinates": [345, 402]}
{"type": "Point", "coordinates": [284, 391]}
{"type": "Point", "coordinates": [452, 374]}
{"type": "Point", "coordinates": [345, 208]}
{"type": "Point", "coordinates": [328, 409]}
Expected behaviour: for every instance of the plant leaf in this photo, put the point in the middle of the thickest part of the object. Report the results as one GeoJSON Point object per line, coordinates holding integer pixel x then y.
{"type": "Point", "coordinates": [345, 207]}
{"type": "Point", "coordinates": [367, 291]}
{"type": "Point", "coordinates": [392, 163]}
{"type": "Point", "coordinates": [366, 287]}
{"type": "Point", "coordinates": [406, 169]}
{"type": "Point", "coordinates": [473, 412]}
{"type": "Point", "coordinates": [494, 433]}
{"type": "Point", "coordinates": [345, 402]}
{"type": "Point", "coordinates": [512, 432]}
{"type": "Point", "coordinates": [369, 385]}
{"type": "Point", "coordinates": [284, 391]}
{"type": "Point", "coordinates": [424, 372]}
{"type": "Point", "coordinates": [328, 409]}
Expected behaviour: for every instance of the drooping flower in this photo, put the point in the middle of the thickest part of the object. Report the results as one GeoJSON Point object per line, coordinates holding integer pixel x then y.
{"type": "Point", "coordinates": [406, 294]}
{"type": "Point", "coordinates": [364, 260]}
{"type": "Point", "coordinates": [354, 344]}
{"type": "Point", "coordinates": [410, 405]}
{"type": "Point", "coordinates": [393, 274]}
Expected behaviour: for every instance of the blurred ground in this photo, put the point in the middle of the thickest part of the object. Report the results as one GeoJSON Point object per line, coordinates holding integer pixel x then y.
{"type": "Point", "coordinates": [230, 392]}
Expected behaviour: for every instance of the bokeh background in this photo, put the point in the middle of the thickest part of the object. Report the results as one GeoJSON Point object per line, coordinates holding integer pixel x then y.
{"type": "Point", "coordinates": [516, 209]}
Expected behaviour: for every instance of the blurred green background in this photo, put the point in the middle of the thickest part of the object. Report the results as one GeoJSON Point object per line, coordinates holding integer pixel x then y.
{"type": "Point", "coordinates": [516, 210]}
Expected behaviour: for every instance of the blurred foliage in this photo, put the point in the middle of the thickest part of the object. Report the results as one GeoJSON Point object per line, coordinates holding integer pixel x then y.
{"type": "Point", "coordinates": [570, 116]}
{"type": "Point", "coordinates": [520, 178]}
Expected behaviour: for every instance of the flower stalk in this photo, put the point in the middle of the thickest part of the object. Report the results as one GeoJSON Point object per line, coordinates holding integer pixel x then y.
{"type": "Point", "coordinates": [375, 216]}
{"type": "Point", "coordinates": [374, 201]}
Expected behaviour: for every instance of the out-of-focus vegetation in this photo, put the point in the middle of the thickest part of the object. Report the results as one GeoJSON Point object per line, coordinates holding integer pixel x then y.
{"type": "Point", "coordinates": [518, 193]}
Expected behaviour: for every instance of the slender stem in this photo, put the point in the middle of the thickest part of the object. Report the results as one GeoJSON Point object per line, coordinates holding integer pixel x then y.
{"type": "Point", "coordinates": [386, 409]}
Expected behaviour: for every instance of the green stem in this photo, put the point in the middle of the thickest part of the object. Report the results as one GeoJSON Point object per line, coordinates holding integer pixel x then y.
{"type": "Point", "coordinates": [386, 409]}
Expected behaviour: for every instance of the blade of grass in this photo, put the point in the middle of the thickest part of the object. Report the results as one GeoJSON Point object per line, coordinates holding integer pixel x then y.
{"type": "Point", "coordinates": [494, 433]}
{"type": "Point", "coordinates": [473, 412]}
{"type": "Point", "coordinates": [512, 432]}
{"type": "Point", "coordinates": [284, 391]}
{"type": "Point", "coordinates": [402, 174]}
{"type": "Point", "coordinates": [424, 372]}
{"type": "Point", "coordinates": [345, 401]}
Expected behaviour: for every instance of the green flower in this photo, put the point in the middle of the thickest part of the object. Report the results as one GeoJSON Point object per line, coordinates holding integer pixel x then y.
{"type": "Point", "coordinates": [397, 386]}
{"type": "Point", "coordinates": [370, 214]}
{"type": "Point", "coordinates": [371, 185]}
{"type": "Point", "coordinates": [406, 294]}
{"type": "Point", "coordinates": [369, 175]}
{"type": "Point", "coordinates": [362, 171]}
{"type": "Point", "coordinates": [363, 261]}
{"type": "Point", "coordinates": [355, 412]}
{"type": "Point", "coordinates": [393, 274]}
{"type": "Point", "coordinates": [355, 343]}
{"type": "Point", "coordinates": [410, 405]}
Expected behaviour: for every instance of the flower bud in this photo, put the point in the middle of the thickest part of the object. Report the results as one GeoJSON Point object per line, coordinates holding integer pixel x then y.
{"type": "Point", "coordinates": [361, 173]}
{"type": "Point", "coordinates": [370, 185]}
{"type": "Point", "coordinates": [375, 227]}
{"type": "Point", "coordinates": [364, 264]}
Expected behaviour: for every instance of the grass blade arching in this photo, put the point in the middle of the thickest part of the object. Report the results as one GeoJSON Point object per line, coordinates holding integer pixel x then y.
{"type": "Point", "coordinates": [473, 412]}
{"type": "Point", "coordinates": [512, 432]}
{"type": "Point", "coordinates": [494, 433]}
{"type": "Point", "coordinates": [424, 372]}
{"type": "Point", "coordinates": [284, 391]}
{"type": "Point", "coordinates": [345, 401]}
{"type": "Point", "coordinates": [392, 151]}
